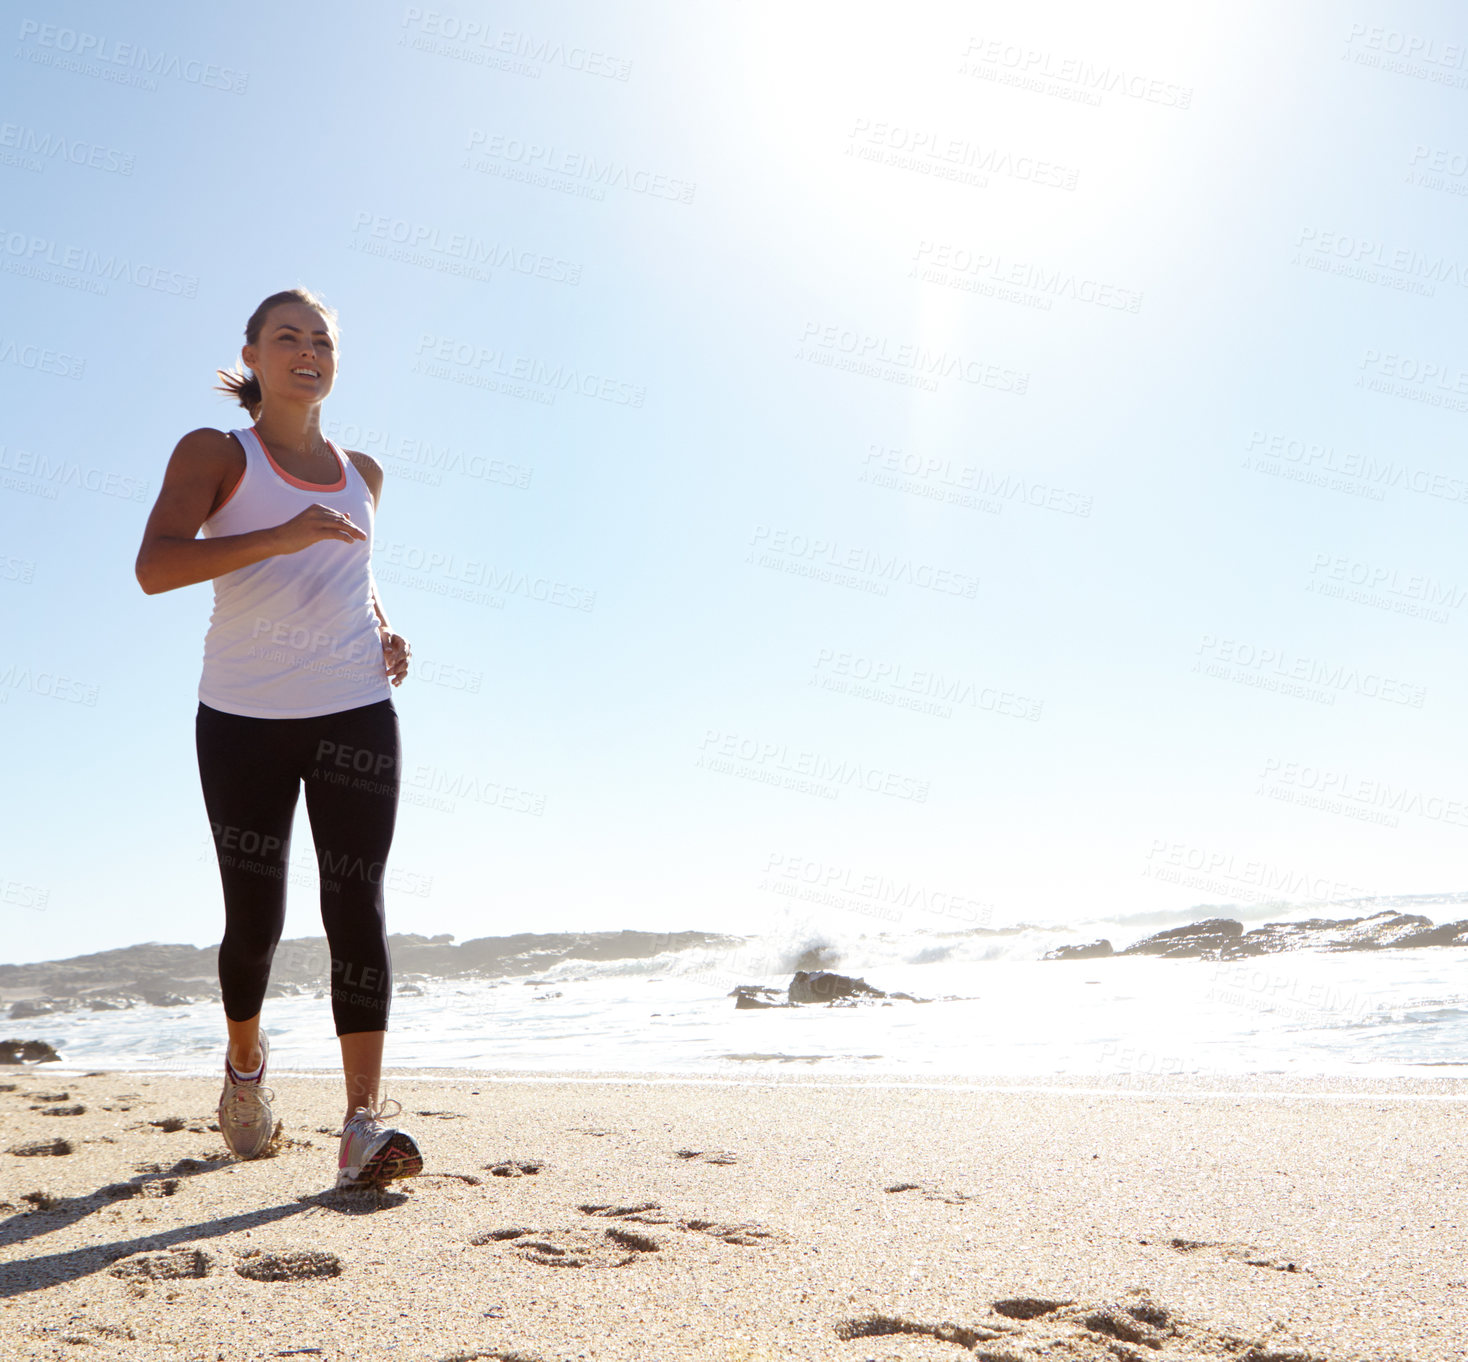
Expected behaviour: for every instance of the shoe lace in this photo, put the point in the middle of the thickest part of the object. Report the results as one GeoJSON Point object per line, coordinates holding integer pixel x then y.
{"type": "Point", "coordinates": [370, 1120]}
{"type": "Point", "coordinates": [249, 1102]}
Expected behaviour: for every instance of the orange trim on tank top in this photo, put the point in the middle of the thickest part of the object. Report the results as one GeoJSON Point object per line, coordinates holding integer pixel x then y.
{"type": "Point", "coordinates": [297, 482]}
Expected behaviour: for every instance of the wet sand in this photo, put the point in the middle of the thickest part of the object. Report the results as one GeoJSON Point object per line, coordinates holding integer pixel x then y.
{"type": "Point", "coordinates": [1267, 1221]}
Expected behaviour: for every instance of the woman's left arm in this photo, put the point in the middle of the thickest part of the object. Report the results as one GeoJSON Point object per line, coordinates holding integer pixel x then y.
{"type": "Point", "coordinates": [395, 648]}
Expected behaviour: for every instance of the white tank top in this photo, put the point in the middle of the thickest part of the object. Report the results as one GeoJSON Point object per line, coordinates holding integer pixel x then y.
{"type": "Point", "coordinates": [294, 635]}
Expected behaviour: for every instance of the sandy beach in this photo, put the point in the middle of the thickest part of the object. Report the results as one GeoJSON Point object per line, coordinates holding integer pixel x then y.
{"type": "Point", "coordinates": [616, 1218]}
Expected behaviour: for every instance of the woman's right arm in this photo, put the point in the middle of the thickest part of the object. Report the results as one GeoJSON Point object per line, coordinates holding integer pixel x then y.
{"type": "Point", "coordinates": [204, 463]}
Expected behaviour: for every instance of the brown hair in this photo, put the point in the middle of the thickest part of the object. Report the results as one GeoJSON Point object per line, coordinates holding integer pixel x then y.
{"type": "Point", "coordinates": [244, 386]}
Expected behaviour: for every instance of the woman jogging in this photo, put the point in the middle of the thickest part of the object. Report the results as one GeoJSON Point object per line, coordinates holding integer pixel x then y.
{"type": "Point", "coordinates": [299, 665]}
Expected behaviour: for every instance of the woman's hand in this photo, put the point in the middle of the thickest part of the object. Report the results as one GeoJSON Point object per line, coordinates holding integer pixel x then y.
{"type": "Point", "coordinates": [395, 654]}
{"type": "Point", "coordinates": [315, 523]}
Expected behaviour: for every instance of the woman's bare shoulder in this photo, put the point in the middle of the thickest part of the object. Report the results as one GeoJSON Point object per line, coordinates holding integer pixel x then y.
{"type": "Point", "coordinates": [370, 470]}
{"type": "Point", "coordinates": [207, 453]}
{"type": "Point", "coordinates": [206, 441]}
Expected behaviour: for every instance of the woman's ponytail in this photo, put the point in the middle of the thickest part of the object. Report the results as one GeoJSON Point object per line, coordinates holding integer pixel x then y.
{"type": "Point", "coordinates": [243, 385]}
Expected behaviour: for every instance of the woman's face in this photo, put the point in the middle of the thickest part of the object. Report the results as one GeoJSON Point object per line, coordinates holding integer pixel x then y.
{"type": "Point", "coordinates": [295, 358]}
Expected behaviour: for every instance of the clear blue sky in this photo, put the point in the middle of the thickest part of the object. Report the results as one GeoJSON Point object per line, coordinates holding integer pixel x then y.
{"type": "Point", "coordinates": [1095, 378]}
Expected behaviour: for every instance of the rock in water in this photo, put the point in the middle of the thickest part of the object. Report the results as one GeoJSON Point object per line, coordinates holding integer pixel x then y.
{"type": "Point", "coordinates": [748, 996]}
{"type": "Point", "coordinates": [821, 986]}
{"type": "Point", "coordinates": [34, 1007]}
{"type": "Point", "coordinates": [26, 1051]}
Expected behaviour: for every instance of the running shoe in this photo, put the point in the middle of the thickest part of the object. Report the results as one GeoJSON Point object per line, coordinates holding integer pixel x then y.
{"type": "Point", "coordinates": [373, 1152]}
{"type": "Point", "coordinates": [245, 1118]}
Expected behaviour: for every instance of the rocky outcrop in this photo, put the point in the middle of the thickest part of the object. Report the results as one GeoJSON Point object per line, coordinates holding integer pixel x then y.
{"type": "Point", "coordinates": [1380, 931]}
{"type": "Point", "coordinates": [170, 975]}
{"type": "Point", "coordinates": [1095, 950]}
{"type": "Point", "coordinates": [1223, 938]}
{"type": "Point", "coordinates": [1196, 939]}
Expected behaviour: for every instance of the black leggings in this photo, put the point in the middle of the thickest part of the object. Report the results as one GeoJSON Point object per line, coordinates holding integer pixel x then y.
{"type": "Point", "coordinates": [251, 771]}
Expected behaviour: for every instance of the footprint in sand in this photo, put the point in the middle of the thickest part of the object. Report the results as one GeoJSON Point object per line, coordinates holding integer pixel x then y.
{"type": "Point", "coordinates": [1028, 1329]}
{"type": "Point", "coordinates": [469, 1178]}
{"type": "Point", "coordinates": [1028, 1307]}
{"type": "Point", "coordinates": [495, 1356]}
{"type": "Point", "coordinates": [515, 1168]}
{"type": "Point", "coordinates": [1244, 1253]}
{"type": "Point", "coordinates": [650, 1213]}
{"type": "Point", "coordinates": [720, 1156]}
{"type": "Point", "coordinates": [614, 1247]}
{"type": "Point", "coordinates": [931, 1193]}
{"type": "Point", "coordinates": [297, 1265]}
{"type": "Point", "coordinates": [166, 1266]}
{"type": "Point", "coordinates": [156, 1186]}
{"type": "Point", "coordinates": [39, 1147]}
